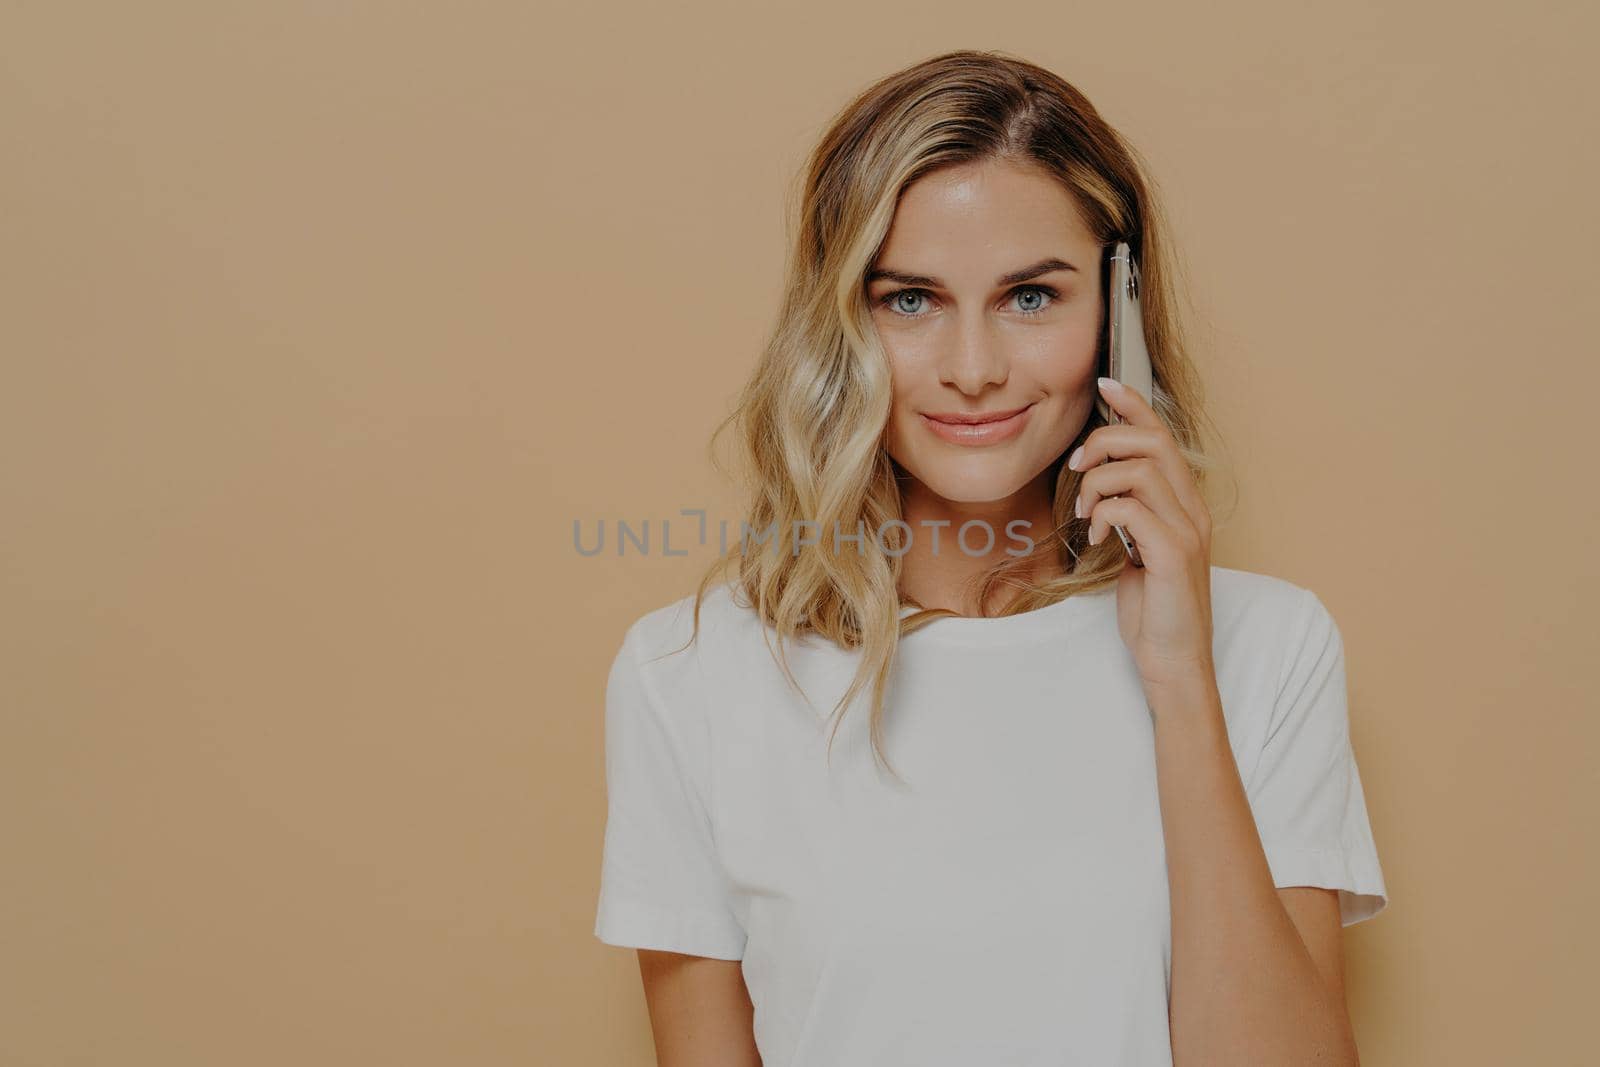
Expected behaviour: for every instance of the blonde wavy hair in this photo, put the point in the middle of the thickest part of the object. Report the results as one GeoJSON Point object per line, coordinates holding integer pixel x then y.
{"type": "Point", "coordinates": [812, 416]}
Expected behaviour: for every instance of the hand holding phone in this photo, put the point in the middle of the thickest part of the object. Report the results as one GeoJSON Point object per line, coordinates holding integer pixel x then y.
{"type": "Point", "coordinates": [1127, 357]}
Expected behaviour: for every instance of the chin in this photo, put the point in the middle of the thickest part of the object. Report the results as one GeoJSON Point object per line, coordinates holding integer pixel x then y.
{"type": "Point", "coordinates": [973, 484]}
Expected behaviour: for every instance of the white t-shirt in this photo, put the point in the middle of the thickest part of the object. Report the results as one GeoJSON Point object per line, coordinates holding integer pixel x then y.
{"type": "Point", "coordinates": [1009, 905]}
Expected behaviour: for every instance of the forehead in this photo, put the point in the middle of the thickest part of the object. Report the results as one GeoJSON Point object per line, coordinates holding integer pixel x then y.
{"type": "Point", "coordinates": [976, 220]}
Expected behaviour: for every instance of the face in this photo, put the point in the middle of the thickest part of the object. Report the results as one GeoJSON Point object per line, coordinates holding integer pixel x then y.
{"type": "Point", "coordinates": [986, 297]}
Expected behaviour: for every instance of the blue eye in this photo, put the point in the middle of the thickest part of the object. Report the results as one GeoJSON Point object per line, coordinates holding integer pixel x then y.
{"type": "Point", "coordinates": [891, 300]}
{"type": "Point", "coordinates": [921, 293]}
{"type": "Point", "coordinates": [1036, 289]}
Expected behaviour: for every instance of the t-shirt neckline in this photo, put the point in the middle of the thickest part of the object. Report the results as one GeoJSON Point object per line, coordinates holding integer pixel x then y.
{"type": "Point", "coordinates": [1051, 619]}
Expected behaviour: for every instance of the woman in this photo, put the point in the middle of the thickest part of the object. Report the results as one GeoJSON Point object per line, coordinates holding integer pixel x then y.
{"type": "Point", "coordinates": [1070, 809]}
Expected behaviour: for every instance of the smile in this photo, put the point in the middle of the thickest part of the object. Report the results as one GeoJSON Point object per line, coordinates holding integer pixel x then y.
{"type": "Point", "coordinates": [988, 431]}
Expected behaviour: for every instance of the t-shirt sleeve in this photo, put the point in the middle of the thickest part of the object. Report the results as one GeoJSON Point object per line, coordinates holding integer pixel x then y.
{"type": "Point", "coordinates": [661, 885]}
{"type": "Point", "coordinates": [1305, 790]}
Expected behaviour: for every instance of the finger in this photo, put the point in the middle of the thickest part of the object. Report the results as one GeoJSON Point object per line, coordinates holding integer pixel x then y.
{"type": "Point", "coordinates": [1128, 442]}
{"type": "Point", "coordinates": [1141, 478]}
{"type": "Point", "coordinates": [1128, 403]}
{"type": "Point", "coordinates": [1159, 546]}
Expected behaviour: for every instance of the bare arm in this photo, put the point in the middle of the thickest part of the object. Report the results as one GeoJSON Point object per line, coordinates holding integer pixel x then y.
{"type": "Point", "coordinates": [1315, 912]}
{"type": "Point", "coordinates": [1256, 971]}
{"type": "Point", "coordinates": [700, 1010]}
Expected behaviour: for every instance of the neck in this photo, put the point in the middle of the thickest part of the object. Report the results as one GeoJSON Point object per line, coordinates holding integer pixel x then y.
{"type": "Point", "coordinates": [941, 575]}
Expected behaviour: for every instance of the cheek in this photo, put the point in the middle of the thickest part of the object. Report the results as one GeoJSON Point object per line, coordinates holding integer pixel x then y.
{"type": "Point", "coordinates": [910, 374]}
{"type": "Point", "coordinates": [909, 358]}
{"type": "Point", "coordinates": [1064, 359]}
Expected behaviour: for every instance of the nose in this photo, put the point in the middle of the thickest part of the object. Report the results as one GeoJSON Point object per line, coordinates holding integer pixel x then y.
{"type": "Point", "coordinates": [974, 359]}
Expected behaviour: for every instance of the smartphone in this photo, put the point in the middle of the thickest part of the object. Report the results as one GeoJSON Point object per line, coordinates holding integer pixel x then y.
{"type": "Point", "coordinates": [1127, 359]}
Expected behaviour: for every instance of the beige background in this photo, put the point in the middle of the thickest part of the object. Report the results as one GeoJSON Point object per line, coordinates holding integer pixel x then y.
{"type": "Point", "coordinates": [322, 322]}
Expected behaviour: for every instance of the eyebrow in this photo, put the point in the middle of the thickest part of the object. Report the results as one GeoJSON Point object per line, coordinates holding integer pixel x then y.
{"type": "Point", "coordinates": [1044, 266]}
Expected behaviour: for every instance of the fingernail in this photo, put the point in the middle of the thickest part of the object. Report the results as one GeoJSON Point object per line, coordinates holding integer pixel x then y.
{"type": "Point", "coordinates": [1072, 460]}
{"type": "Point", "coordinates": [1110, 383]}
{"type": "Point", "coordinates": [1077, 506]}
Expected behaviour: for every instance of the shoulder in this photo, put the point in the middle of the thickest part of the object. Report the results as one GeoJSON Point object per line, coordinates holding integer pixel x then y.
{"type": "Point", "coordinates": [1264, 624]}
{"type": "Point", "coordinates": [1240, 595]}
{"type": "Point", "coordinates": [653, 689]}
{"type": "Point", "coordinates": [1260, 603]}
{"type": "Point", "coordinates": [718, 619]}
{"type": "Point", "coordinates": [682, 647]}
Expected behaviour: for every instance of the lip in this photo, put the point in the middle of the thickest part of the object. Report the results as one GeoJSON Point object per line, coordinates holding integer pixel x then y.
{"type": "Point", "coordinates": [979, 428]}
